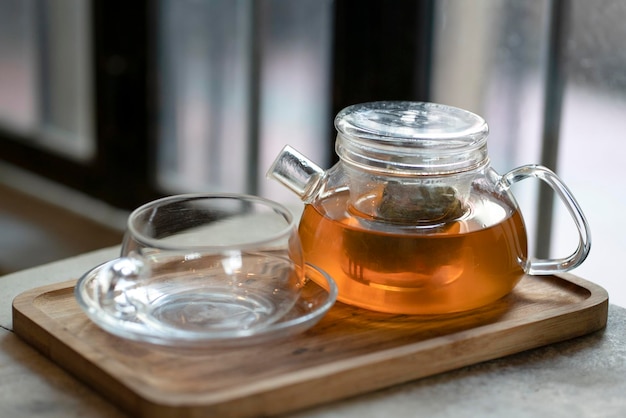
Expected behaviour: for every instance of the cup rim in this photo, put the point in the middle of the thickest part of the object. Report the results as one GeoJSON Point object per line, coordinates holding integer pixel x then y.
{"type": "Point", "coordinates": [157, 243]}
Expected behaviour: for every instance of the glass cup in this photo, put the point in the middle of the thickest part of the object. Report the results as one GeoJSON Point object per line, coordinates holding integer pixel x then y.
{"type": "Point", "coordinates": [205, 262]}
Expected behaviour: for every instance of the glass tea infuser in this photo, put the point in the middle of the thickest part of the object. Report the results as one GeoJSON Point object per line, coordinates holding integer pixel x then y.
{"type": "Point", "coordinates": [413, 219]}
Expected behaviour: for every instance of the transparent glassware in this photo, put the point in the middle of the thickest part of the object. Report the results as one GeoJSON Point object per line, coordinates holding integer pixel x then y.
{"type": "Point", "coordinates": [413, 219]}
{"type": "Point", "coordinates": [207, 268]}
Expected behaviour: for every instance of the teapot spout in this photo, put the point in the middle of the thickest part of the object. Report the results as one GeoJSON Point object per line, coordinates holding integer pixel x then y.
{"type": "Point", "coordinates": [297, 173]}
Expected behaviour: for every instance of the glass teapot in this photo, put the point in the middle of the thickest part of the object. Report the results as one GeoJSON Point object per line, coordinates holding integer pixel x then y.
{"type": "Point", "coordinates": [413, 219]}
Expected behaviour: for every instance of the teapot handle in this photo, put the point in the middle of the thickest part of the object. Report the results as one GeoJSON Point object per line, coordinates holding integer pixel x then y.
{"type": "Point", "coordinates": [551, 266]}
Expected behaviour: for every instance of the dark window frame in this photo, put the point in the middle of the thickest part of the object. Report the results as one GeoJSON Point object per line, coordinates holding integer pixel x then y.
{"type": "Point", "coordinates": [122, 172]}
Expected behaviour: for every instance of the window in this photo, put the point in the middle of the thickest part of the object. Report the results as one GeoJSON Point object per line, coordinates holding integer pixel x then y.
{"type": "Point", "coordinates": [238, 79]}
{"type": "Point", "coordinates": [177, 96]}
{"type": "Point", "coordinates": [73, 75]}
{"type": "Point", "coordinates": [491, 58]}
{"type": "Point", "coordinates": [172, 96]}
{"type": "Point", "coordinates": [591, 146]}
{"type": "Point", "coordinates": [46, 75]}
{"type": "Point", "coordinates": [548, 77]}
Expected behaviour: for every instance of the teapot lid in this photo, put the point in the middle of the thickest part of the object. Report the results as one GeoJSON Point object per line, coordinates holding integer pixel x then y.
{"type": "Point", "coordinates": [401, 137]}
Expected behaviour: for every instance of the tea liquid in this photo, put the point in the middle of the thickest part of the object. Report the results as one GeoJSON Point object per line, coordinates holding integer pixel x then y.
{"type": "Point", "coordinates": [460, 265]}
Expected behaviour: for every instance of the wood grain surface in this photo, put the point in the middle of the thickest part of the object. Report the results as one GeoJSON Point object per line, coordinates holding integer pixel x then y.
{"type": "Point", "coordinates": [349, 352]}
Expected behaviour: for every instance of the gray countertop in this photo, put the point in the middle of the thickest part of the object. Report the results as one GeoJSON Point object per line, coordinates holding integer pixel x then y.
{"type": "Point", "coordinates": [583, 377]}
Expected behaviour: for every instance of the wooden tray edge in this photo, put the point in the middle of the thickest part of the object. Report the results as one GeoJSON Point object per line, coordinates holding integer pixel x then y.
{"type": "Point", "coordinates": [391, 365]}
{"type": "Point", "coordinates": [286, 391]}
{"type": "Point", "coordinates": [27, 317]}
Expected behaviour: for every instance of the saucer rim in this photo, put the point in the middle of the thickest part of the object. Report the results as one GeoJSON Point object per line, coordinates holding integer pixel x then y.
{"type": "Point", "coordinates": [133, 329]}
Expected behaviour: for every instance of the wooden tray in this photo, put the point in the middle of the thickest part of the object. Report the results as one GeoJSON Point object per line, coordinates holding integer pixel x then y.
{"type": "Point", "coordinates": [351, 351]}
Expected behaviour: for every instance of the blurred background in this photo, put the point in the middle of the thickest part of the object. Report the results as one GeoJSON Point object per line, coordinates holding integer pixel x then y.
{"type": "Point", "coordinates": [105, 105]}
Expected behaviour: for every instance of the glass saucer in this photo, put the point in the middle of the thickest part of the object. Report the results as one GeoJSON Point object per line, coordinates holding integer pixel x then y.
{"type": "Point", "coordinates": [317, 296]}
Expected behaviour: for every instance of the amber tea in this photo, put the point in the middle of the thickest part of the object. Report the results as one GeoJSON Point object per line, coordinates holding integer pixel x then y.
{"type": "Point", "coordinates": [448, 267]}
